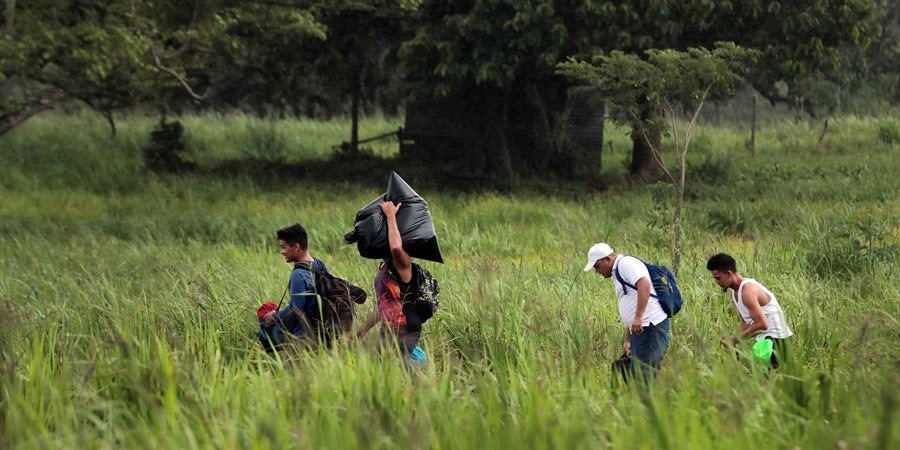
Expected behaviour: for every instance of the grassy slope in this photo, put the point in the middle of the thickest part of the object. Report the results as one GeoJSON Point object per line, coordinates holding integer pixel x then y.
{"type": "Point", "coordinates": [127, 300]}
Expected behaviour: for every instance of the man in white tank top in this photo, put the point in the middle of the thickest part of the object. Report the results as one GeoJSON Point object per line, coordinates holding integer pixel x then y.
{"type": "Point", "coordinates": [761, 314]}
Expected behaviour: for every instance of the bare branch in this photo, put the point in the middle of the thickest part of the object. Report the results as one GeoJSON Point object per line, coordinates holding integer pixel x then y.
{"type": "Point", "coordinates": [671, 111]}
{"type": "Point", "coordinates": [177, 76]}
{"type": "Point", "coordinates": [822, 135]}
{"type": "Point", "coordinates": [160, 66]}
{"type": "Point", "coordinates": [690, 127]}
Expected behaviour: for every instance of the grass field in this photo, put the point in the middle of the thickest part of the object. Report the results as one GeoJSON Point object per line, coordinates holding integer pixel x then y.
{"type": "Point", "coordinates": [127, 299]}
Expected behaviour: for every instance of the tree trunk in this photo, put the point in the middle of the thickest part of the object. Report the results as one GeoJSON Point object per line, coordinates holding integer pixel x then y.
{"type": "Point", "coordinates": [642, 159]}
{"type": "Point", "coordinates": [679, 205]}
{"type": "Point", "coordinates": [108, 115]}
{"type": "Point", "coordinates": [492, 131]}
{"type": "Point", "coordinates": [680, 157]}
{"type": "Point", "coordinates": [752, 145]}
{"type": "Point", "coordinates": [535, 127]}
{"type": "Point", "coordinates": [645, 136]}
{"type": "Point", "coordinates": [584, 130]}
{"type": "Point", "coordinates": [555, 129]}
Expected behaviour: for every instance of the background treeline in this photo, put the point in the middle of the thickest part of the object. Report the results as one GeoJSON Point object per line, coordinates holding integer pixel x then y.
{"type": "Point", "coordinates": [495, 59]}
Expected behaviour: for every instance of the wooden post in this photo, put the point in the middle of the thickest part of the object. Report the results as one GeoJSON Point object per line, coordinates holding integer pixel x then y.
{"type": "Point", "coordinates": [821, 142]}
{"type": "Point", "coordinates": [354, 112]}
{"type": "Point", "coordinates": [752, 145]}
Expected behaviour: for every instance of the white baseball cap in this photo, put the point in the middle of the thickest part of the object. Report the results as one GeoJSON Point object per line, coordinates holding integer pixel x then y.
{"type": "Point", "coordinates": [597, 252]}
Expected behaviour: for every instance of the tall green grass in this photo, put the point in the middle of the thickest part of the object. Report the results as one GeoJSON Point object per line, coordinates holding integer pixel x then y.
{"type": "Point", "coordinates": [78, 151]}
{"type": "Point", "coordinates": [127, 301]}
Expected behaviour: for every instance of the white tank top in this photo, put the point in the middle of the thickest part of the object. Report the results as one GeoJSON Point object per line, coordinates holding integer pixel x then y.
{"type": "Point", "coordinates": [778, 327]}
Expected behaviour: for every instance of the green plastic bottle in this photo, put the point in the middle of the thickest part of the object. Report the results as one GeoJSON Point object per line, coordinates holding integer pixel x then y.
{"type": "Point", "coordinates": [762, 349]}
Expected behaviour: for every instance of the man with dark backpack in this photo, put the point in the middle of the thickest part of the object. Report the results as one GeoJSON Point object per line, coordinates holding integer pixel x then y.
{"type": "Point", "coordinates": [319, 304]}
{"type": "Point", "coordinates": [333, 314]}
{"type": "Point", "coordinates": [647, 335]}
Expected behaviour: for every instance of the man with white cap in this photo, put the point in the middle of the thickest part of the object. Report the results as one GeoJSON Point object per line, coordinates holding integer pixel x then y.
{"type": "Point", "coordinates": [647, 333]}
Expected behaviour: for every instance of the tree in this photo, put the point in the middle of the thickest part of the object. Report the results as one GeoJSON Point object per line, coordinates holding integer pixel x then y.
{"type": "Point", "coordinates": [115, 54]}
{"type": "Point", "coordinates": [108, 54]}
{"type": "Point", "coordinates": [875, 74]}
{"type": "Point", "coordinates": [315, 59]}
{"type": "Point", "coordinates": [816, 34]}
{"type": "Point", "coordinates": [498, 58]}
{"type": "Point", "coordinates": [362, 38]}
{"type": "Point", "coordinates": [668, 81]}
{"type": "Point", "coordinates": [503, 53]}
{"type": "Point", "coordinates": [798, 42]}
{"type": "Point", "coordinates": [259, 61]}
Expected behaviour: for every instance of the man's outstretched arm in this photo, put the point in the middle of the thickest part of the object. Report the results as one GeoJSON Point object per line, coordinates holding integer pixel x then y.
{"type": "Point", "coordinates": [401, 260]}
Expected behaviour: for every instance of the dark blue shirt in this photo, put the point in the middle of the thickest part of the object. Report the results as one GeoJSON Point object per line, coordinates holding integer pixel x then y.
{"type": "Point", "coordinates": [302, 295]}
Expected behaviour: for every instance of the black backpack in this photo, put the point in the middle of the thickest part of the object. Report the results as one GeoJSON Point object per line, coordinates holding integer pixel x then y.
{"type": "Point", "coordinates": [422, 296]}
{"type": "Point", "coordinates": [338, 297]}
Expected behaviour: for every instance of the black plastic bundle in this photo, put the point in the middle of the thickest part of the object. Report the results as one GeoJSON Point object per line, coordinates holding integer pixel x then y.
{"type": "Point", "coordinates": [414, 220]}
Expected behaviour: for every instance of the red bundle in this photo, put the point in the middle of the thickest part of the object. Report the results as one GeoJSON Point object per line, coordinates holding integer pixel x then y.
{"type": "Point", "coordinates": [266, 308]}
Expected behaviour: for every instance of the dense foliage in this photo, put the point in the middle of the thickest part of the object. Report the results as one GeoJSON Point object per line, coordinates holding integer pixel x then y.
{"type": "Point", "coordinates": [325, 57]}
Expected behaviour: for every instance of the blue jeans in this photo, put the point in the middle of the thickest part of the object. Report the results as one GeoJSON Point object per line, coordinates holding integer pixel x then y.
{"type": "Point", "coordinates": [648, 349]}
{"type": "Point", "coordinates": [271, 337]}
{"type": "Point", "coordinates": [404, 341]}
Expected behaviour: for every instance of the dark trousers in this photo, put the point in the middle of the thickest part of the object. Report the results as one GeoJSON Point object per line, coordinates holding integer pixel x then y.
{"type": "Point", "coordinates": [403, 340]}
{"type": "Point", "coordinates": [648, 349]}
{"type": "Point", "coordinates": [780, 353]}
{"type": "Point", "coordinates": [792, 383]}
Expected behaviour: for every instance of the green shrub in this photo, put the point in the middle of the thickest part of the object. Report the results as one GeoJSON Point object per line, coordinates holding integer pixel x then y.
{"type": "Point", "coordinates": [167, 148]}
{"type": "Point", "coordinates": [856, 245]}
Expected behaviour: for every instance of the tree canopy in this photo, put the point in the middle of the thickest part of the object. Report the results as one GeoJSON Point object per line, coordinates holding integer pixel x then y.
{"type": "Point", "coordinates": [661, 79]}
{"type": "Point", "coordinates": [497, 58]}
{"type": "Point", "coordinates": [107, 54]}
{"type": "Point", "coordinates": [502, 49]}
{"type": "Point", "coordinates": [669, 81]}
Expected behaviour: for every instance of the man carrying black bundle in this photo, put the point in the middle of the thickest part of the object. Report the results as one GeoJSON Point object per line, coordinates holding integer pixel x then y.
{"type": "Point", "coordinates": [394, 281]}
{"type": "Point", "coordinates": [413, 220]}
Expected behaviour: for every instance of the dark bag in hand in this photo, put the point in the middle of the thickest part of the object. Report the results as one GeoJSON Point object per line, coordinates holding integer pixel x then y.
{"type": "Point", "coordinates": [621, 371]}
